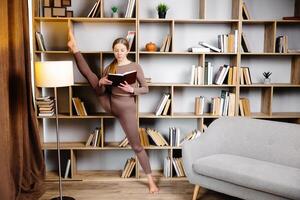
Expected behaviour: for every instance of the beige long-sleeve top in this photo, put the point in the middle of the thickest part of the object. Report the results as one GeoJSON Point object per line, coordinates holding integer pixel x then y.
{"type": "Point", "coordinates": [92, 78]}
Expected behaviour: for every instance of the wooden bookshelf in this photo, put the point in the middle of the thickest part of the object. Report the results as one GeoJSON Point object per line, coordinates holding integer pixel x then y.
{"type": "Point", "coordinates": [184, 31]}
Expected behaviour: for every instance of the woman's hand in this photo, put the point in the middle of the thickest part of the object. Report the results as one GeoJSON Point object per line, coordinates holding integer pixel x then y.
{"type": "Point", "coordinates": [126, 87]}
{"type": "Point", "coordinates": [72, 43]}
{"type": "Point", "coordinates": [104, 81]}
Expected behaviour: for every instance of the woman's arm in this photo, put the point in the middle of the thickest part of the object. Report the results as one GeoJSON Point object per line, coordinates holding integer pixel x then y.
{"type": "Point", "coordinates": [142, 81]}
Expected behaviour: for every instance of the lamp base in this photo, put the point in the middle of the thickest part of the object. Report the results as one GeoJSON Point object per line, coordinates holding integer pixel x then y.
{"type": "Point", "coordinates": [63, 198]}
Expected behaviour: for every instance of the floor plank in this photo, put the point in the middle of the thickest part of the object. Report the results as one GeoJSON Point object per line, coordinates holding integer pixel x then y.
{"type": "Point", "coordinates": [132, 190]}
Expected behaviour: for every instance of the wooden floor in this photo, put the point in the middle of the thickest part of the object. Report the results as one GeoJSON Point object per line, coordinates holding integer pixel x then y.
{"type": "Point", "coordinates": [131, 190]}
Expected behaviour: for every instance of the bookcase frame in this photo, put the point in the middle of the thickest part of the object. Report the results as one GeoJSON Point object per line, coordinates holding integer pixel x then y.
{"type": "Point", "coordinates": [72, 148]}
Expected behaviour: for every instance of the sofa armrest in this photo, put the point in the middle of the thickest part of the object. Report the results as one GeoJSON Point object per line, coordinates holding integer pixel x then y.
{"type": "Point", "coordinates": [195, 149]}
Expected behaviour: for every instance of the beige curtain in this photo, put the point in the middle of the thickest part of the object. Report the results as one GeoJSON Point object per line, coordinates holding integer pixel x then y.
{"type": "Point", "coordinates": [22, 168]}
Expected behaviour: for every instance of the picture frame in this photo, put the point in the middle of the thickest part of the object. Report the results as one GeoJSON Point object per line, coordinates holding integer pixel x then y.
{"type": "Point", "coordinates": [47, 11]}
{"type": "Point", "coordinates": [66, 3]}
{"type": "Point", "coordinates": [69, 13]}
{"type": "Point", "coordinates": [59, 12]}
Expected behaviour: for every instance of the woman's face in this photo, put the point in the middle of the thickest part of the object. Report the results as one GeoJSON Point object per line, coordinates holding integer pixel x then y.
{"type": "Point", "coordinates": [120, 51]}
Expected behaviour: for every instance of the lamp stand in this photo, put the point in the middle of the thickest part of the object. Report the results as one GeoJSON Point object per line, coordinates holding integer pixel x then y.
{"type": "Point", "coordinates": [58, 154]}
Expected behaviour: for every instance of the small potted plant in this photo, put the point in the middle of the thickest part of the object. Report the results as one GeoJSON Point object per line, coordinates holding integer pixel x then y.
{"type": "Point", "coordinates": [114, 10]}
{"type": "Point", "coordinates": [267, 79]}
{"type": "Point", "coordinates": [162, 10]}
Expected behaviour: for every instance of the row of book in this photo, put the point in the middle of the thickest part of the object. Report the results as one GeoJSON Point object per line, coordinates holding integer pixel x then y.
{"type": "Point", "coordinates": [166, 45]}
{"type": "Point", "coordinates": [202, 75]}
{"type": "Point", "coordinates": [244, 105]}
{"type": "Point", "coordinates": [94, 139]}
{"type": "Point", "coordinates": [177, 163]}
{"type": "Point", "coordinates": [79, 106]}
{"type": "Point", "coordinates": [225, 74]}
{"type": "Point", "coordinates": [149, 136]}
{"type": "Point", "coordinates": [224, 105]}
{"type": "Point", "coordinates": [45, 106]}
{"type": "Point", "coordinates": [228, 43]}
{"type": "Point", "coordinates": [164, 104]}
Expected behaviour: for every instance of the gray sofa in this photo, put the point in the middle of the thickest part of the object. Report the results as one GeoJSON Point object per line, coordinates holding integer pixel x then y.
{"type": "Point", "coordinates": [246, 158]}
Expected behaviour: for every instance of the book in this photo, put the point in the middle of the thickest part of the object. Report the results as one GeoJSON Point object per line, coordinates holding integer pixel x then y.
{"type": "Point", "coordinates": [40, 41]}
{"type": "Point", "coordinates": [129, 77]}
{"type": "Point", "coordinates": [67, 170]}
{"type": "Point", "coordinates": [245, 12]}
{"type": "Point", "coordinates": [95, 11]}
{"type": "Point", "coordinates": [213, 48]}
{"type": "Point", "coordinates": [130, 37]}
{"type": "Point", "coordinates": [245, 46]}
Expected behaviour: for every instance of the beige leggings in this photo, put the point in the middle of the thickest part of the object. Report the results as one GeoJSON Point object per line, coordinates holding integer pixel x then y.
{"type": "Point", "coordinates": [124, 108]}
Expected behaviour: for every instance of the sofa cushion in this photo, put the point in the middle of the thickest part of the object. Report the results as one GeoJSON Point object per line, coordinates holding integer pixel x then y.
{"type": "Point", "coordinates": [255, 174]}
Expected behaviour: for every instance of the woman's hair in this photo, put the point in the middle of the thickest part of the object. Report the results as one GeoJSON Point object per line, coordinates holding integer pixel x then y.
{"type": "Point", "coordinates": [112, 66]}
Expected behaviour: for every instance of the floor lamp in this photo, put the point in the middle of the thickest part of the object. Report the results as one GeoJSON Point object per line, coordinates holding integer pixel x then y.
{"type": "Point", "coordinates": [53, 74]}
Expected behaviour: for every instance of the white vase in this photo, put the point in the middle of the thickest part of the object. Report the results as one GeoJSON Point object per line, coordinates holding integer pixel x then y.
{"type": "Point", "coordinates": [267, 80]}
{"type": "Point", "coordinates": [115, 15]}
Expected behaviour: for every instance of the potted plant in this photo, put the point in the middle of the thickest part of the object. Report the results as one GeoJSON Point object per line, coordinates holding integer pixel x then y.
{"type": "Point", "coordinates": [114, 10]}
{"type": "Point", "coordinates": [162, 10]}
{"type": "Point", "coordinates": [267, 79]}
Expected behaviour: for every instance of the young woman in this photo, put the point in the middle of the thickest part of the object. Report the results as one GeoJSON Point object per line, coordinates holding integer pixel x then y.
{"type": "Point", "coordinates": [120, 100]}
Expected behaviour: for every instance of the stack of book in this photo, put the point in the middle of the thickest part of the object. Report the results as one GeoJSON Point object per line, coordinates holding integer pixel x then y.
{"type": "Point", "coordinates": [281, 44]}
{"type": "Point", "coordinates": [208, 73]}
{"type": "Point", "coordinates": [40, 41]}
{"type": "Point", "coordinates": [45, 106]}
{"type": "Point", "coordinates": [193, 135]}
{"type": "Point", "coordinates": [130, 8]}
{"type": "Point", "coordinates": [245, 77]}
{"type": "Point", "coordinates": [166, 45]}
{"type": "Point", "coordinates": [167, 167]}
{"type": "Point", "coordinates": [79, 106]}
{"type": "Point", "coordinates": [94, 139]}
{"type": "Point", "coordinates": [129, 168]}
{"type": "Point", "coordinates": [130, 37]}
{"type": "Point", "coordinates": [244, 105]}
{"type": "Point", "coordinates": [199, 105]}
{"type": "Point", "coordinates": [197, 75]}
{"type": "Point", "coordinates": [96, 10]}
{"type": "Point", "coordinates": [178, 166]}
{"type": "Point", "coordinates": [163, 106]}
{"type": "Point", "coordinates": [198, 49]}
{"type": "Point", "coordinates": [156, 137]}
{"type": "Point", "coordinates": [144, 137]}
{"type": "Point", "coordinates": [124, 142]}
{"type": "Point", "coordinates": [228, 42]}
{"type": "Point", "coordinates": [223, 105]}
{"type": "Point", "coordinates": [174, 136]}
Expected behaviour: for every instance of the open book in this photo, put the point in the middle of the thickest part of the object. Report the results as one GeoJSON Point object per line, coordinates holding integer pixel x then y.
{"type": "Point", "coordinates": [129, 77]}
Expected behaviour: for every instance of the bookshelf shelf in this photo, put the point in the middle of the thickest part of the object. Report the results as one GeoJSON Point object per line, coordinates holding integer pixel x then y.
{"type": "Point", "coordinates": [170, 72]}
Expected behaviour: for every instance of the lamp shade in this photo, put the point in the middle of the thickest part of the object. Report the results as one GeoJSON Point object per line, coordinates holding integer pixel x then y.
{"type": "Point", "coordinates": [54, 73]}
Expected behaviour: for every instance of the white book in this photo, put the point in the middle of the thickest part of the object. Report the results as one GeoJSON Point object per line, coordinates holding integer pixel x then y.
{"type": "Point", "coordinates": [192, 75]}
{"type": "Point", "coordinates": [68, 166]}
{"type": "Point", "coordinates": [200, 71]}
{"type": "Point", "coordinates": [177, 137]}
{"type": "Point", "coordinates": [225, 43]}
{"type": "Point", "coordinates": [210, 73]}
{"type": "Point", "coordinates": [196, 76]}
{"type": "Point", "coordinates": [96, 137]}
{"type": "Point", "coordinates": [175, 167]}
{"type": "Point", "coordinates": [210, 46]}
{"type": "Point", "coordinates": [235, 40]}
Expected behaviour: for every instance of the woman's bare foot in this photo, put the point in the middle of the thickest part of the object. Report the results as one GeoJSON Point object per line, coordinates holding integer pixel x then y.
{"type": "Point", "coordinates": [152, 186]}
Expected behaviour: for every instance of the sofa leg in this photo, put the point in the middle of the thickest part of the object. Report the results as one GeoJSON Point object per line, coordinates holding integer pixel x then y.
{"type": "Point", "coordinates": [196, 191]}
